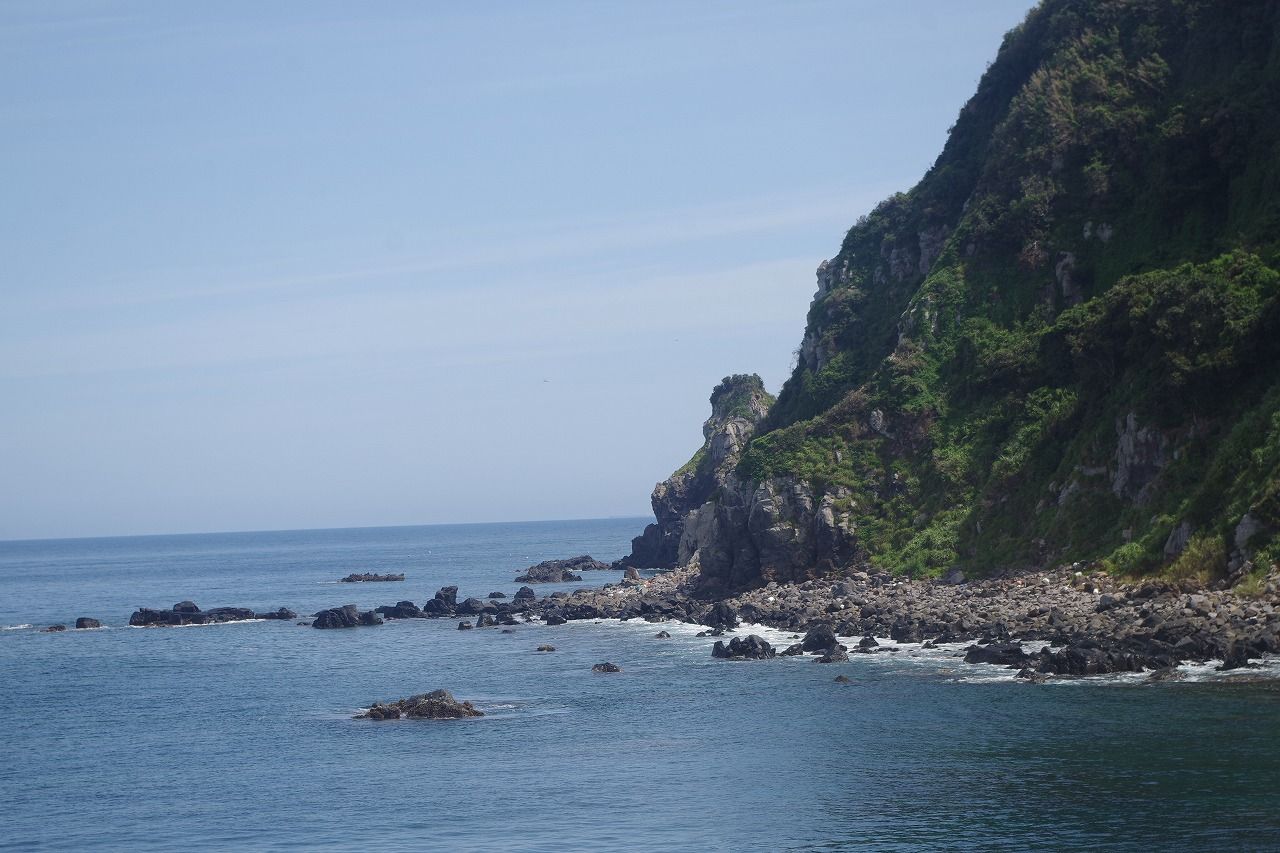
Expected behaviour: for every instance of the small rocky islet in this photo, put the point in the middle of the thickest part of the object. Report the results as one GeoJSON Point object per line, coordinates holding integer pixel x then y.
{"type": "Point", "coordinates": [370, 577]}
{"type": "Point", "coordinates": [562, 571]}
{"type": "Point", "coordinates": [189, 613]}
{"type": "Point", "coordinates": [436, 705]}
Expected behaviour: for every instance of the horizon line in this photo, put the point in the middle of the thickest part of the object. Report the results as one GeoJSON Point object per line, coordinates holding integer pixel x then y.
{"type": "Point", "coordinates": [315, 529]}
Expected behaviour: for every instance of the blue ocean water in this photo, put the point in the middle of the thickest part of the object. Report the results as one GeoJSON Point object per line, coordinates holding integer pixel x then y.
{"type": "Point", "coordinates": [240, 735]}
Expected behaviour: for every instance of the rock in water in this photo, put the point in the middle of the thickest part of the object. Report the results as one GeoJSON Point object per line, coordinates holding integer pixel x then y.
{"type": "Point", "coordinates": [1001, 654]}
{"type": "Point", "coordinates": [751, 647]}
{"type": "Point", "coordinates": [835, 654]}
{"type": "Point", "coordinates": [1237, 656]}
{"type": "Point", "coordinates": [369, 577]}
{"type": "Point", "coordinates": [187, 613]}
{"type": "Point", "coordinates": [54, 629]}
{"type": "Point", "coordinates": [819, 638]}
{"type": "Point", "coordinates": [662, 635]}
{"type": "Point", "coordinates": [559, 571]}
{"type": "Point", "coordinates": [346, 616]}
{"type": "Point", "coordinates": [606, 667]}
{"type": "Point", "coordinates": [842, 679]}
{"type": "Point", "coordinates": [546, 648]}
{"type": "Point", "coordinates": [436, 705]}
{"type": "Point", "coordinates": [87, 622]}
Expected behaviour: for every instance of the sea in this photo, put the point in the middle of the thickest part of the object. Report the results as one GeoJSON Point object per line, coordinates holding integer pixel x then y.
{"type": "Point", "coordinates": [241, 736]}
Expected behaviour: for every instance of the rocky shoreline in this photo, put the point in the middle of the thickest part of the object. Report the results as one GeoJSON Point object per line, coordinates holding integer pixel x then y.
{"type": "Point", "coordinates": [1068, 622]}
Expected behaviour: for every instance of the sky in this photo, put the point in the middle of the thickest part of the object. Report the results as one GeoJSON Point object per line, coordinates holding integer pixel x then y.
{"type": "Point", "coordinates": [310, 264]}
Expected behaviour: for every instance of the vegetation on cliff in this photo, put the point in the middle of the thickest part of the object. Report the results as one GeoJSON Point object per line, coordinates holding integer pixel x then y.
{"type": "Point", "coordinates": [1063, 343]}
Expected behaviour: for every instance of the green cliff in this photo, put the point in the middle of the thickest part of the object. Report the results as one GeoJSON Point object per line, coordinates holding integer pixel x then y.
{"type": "Point", "coordinates": [1063, 344]}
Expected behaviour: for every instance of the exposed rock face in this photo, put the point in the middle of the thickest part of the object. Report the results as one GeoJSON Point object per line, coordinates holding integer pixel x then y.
{"type": "Point", "coordinates": [369, 577]}
{"type": "Point", "coordinates": [738, 404]}
{"type": "Point", "coordinates": [559, 571]}
{"type": "Point", "coordinates": [1140, 454]}
{"type": "Point", "coordinates": [738, 532]}
{"type": "Point", "coordinates": [347, 616]}
{"type": "Point", "coordinates": [436, 705]}
{"type": "Point", "coordinates": [187, 613]}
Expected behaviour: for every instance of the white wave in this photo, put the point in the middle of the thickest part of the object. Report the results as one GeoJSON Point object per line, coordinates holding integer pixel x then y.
{"type": "Point", "coordinates": [15, 627]}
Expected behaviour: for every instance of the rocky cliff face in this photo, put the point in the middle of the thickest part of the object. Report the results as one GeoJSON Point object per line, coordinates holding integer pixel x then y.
{"type": "Point", "coordinates": [1062, 345]}
{"type": "Point", "coordinates": [738, 404]}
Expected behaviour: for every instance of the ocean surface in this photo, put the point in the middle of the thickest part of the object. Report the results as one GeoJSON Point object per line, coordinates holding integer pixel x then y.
{"type": "Point", "coordinates": [240, 735]}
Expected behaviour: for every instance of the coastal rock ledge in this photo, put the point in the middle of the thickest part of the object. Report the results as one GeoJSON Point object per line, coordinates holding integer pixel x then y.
{"type": "Point", "coordinates": [436, 705]}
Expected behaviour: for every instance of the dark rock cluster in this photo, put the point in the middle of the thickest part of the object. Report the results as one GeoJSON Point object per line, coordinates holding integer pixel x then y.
{"type": "Point", "coordinates": [436, 705]}
{"type": "Point", "coordinates": [560, 571]}
{"type": "Point", "coordinates": [369, 577]}
{"type": "Point", "coordinates": [347, 616]}
{"type": "Point", "coordinates": [188, 613]}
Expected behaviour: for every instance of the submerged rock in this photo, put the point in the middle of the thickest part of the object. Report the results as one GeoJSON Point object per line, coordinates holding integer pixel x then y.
{"type": "Point", "coordinates": [546, 648]}
{"type": "Point", "coordinates": [436, 705]}
{"type": "Point", "coordinates": [54, 629]}
{"type": "Point", "coordinates": [369, 577]}
{"type": "Point", "coordinates": [606, 667]}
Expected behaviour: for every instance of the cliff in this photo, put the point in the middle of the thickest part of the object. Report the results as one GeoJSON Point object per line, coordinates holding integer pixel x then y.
{"type": "Point", "coordinates": [1061, 345]}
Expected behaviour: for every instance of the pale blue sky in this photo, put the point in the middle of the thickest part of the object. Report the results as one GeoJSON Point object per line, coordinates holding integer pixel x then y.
{"type": "Point", "coordinates": [282, 265]}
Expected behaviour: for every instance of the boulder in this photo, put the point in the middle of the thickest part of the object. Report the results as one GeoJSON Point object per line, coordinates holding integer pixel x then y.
{"type": "Point", "coordinates": [842, 679]}
{"type": "Point", "coordinates": [400, 610]}
{"type": "Point", "coordinates": [722, 616]}
{"type": "Point", "coordinates": [525, 593]}
{"type": "Point", "coordinates": [436, 705]}
{"type": "Point", "coordinates": [464, 625]}
{"type": "Point", "coordinates": [495, 595]}
{"type": "Point", "coordinates": [471, 607]}
{"type": "Point", "coordinates": [818, 638]}
{"type": "Point", "coordinates": [546, 648]}
{"type": "Point", "coordinates": [793, 650]}
{"type": "Point", "coordinates": [281, 613]}
{"type": "Point", "coordinates": [835, 654]}
{"type": "Point", "coordinates": [606, 667]}
{"type": "Point", "coordinates": [54, 629]}
{"type": "Point", "coordinates": [751, 647]}
{"type": "Point", "coordinates": [1000, 654]}
{"type": "Point", "coordinates": [554, 618]}
{"type": "Point", "coordinates": [347, 616]}
{"type": "Point", "coordinates": [87, 622]}
{"type": "Point", "coordinates": [1237, 656]}
{"type": "Point", "coordinates": [662, 635]}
